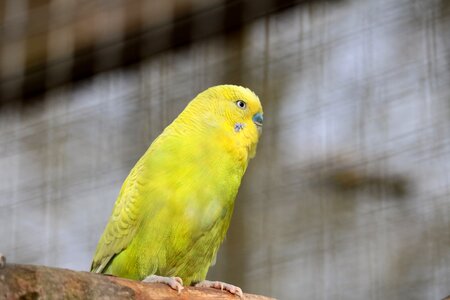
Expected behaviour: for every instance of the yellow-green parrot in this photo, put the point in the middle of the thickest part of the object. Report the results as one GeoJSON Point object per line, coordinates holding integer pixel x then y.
{"type": "Point", "coordinates": [175, 206]}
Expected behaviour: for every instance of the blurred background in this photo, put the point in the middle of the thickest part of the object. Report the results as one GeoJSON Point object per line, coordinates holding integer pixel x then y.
{"type": "Point", "coordinates": [349, 194]}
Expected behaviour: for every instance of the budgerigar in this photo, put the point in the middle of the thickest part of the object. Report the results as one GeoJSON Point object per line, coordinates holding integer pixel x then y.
{"type": "Point", "coordinates": [175, 206]}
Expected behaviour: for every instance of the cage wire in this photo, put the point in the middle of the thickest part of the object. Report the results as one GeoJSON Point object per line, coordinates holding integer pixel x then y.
{"type": "Point", "coordinates": [348, 196]}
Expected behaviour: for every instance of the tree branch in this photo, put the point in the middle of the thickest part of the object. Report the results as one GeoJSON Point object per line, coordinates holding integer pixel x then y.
{"type": "Point", "coordinates": [40, 282]}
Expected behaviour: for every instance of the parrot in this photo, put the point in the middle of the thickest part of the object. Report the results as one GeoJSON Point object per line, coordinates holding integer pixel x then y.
{"type": "Point", "coordinates": [175, 206]}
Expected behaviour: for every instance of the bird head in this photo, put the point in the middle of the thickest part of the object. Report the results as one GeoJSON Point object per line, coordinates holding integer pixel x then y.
{"type": "Point", "coordinates": [234, 111]}
{"type": "Point", "coordinates": [238, 107]}
{"type": "Point", "coordinates": [240, 112]}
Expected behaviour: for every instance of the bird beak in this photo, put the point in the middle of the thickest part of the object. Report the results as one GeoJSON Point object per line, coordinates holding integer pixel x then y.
{"type": "Point", "coordinates": [258, 120]}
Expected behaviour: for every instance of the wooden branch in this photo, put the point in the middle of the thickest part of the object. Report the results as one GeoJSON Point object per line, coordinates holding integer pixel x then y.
{"type": "Point", "coordinates": [40, 282]}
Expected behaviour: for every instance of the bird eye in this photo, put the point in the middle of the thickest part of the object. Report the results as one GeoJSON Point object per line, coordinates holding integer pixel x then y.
{"type": "Point", "coordinates": [241, 104]}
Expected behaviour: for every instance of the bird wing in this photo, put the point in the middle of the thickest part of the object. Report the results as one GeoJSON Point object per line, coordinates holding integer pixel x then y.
{"type": "Point", "coordinates": [123, 222]}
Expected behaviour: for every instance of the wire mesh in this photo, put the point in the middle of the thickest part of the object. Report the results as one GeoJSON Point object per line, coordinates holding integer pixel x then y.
{"type": "Point", "coordinates": [348, 196]}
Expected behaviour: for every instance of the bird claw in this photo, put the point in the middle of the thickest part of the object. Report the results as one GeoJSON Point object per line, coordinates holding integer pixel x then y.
{"type": "Point", "coordinates": [175, 283]}
{"type": "Point", "coordinates": [222, 286]}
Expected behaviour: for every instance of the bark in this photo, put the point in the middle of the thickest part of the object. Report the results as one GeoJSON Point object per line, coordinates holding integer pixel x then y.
{"type": "Point", "coordinates": [40, 282]}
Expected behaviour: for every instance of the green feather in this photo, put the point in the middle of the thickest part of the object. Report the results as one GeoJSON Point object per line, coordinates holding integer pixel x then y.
{"type": "Point", "coordinates": [175, 206]}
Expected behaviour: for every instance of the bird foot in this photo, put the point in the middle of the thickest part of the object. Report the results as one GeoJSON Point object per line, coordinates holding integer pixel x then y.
{"type": "Point", "coordinates": [2, 261]}
{"type": "Point", "coordinates": [174, 282]}
{"type": "Point", "coordinates": [222, 286]}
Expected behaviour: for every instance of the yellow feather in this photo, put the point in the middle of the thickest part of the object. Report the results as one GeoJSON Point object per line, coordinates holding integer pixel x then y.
{"type": "Point", "coordinates": [175, 206]}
